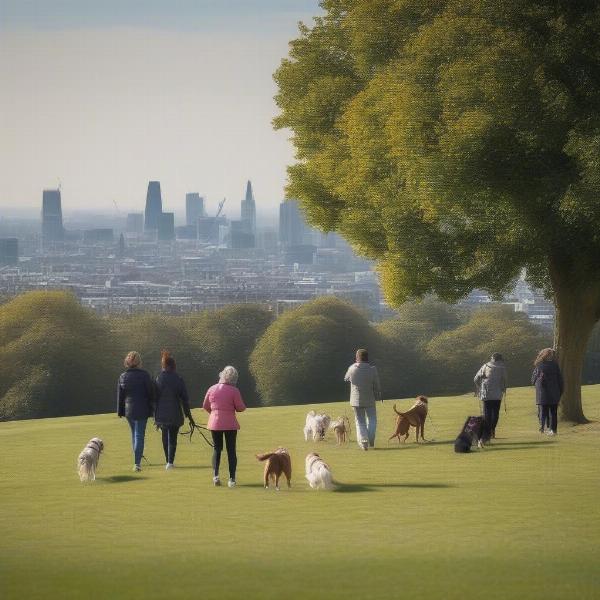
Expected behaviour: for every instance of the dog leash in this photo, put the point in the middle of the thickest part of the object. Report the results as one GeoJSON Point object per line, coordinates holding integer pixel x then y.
{"type": "Point", "coordinates": [195, 427]}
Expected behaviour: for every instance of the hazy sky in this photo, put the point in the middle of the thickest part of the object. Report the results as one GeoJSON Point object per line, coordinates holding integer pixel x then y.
{"type": "Point", "coordinates": [104, 95]}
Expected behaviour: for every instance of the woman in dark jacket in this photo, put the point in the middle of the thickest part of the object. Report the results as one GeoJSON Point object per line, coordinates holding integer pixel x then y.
{"type": "Point", "coordinates": [171, 404]}
{"type": "Point", "coordinates": [549, 386]}
{"type": "Point", "coordinates": [135, 397]}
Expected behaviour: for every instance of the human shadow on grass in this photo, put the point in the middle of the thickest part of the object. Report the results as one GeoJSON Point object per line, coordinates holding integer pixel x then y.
{"type": "Point", "coordinates": [179, 467]}
{"type": "Point", "coordinates": [350, 488]}
{"type": "Point", "coordinates": [121, 478]}
{"type": "Point", "coordinates": [533, 443]}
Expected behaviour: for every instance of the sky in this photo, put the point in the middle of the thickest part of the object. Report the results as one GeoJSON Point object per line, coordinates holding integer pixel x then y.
{"type": "Point", "coordinates": [103, 96]}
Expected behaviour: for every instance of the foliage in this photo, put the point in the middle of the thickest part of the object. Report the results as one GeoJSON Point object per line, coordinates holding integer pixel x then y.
{"type": "Point", "coordinates": [54, 358]}
{"type": "Point", "coordinates": [456, 142]}
{"type": "Point", "coordinates": [304, 354]}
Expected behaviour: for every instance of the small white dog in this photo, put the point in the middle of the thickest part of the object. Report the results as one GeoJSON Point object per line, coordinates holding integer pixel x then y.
{"type": "Point", "coordinates": [316, 425]}
{"type": "Point", "coordinates": [87, 461]}
{"type": "Point", "coordinates": [318, 472]}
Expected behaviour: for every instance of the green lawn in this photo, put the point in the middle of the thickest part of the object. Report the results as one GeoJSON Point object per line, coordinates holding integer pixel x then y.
{"type": "Point", "coordinates": [518, 520]}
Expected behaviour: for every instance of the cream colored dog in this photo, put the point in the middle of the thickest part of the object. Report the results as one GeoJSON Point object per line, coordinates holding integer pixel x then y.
{"type": "Point", "coordinates": [87, 461]}
{"type": "Point", "coordinates": [318, 472]}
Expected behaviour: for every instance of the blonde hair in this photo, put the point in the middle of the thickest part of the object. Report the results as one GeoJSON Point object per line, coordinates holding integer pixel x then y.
{"type": "Point", "coordinates": [132, 360]}
{"type": "Point", "coordinates": [228, 375]}
{"type": "Point", "coordinates": [545, 354]}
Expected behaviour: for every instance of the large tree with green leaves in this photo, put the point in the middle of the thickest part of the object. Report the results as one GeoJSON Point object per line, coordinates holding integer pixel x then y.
{"type": "Point", "coordinates": [457, 142]}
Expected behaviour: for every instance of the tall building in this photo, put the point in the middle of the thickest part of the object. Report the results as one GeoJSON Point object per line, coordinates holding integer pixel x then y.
{"type": "Point", "coordinates": [292, 227]}
{"type": "Point", "coordinates": [153, 206]}
{"type": "Point", "coordinates": [249, 211]}
{"type": "Point", "coordinates": [166, 227]}
{"type": "Point", "coordinates": [135, 223]}
{"type": "Point", "coordinates": [103, 235]}
{"type": "Point", "coordinates": [52, 224]}
{"type": "Point", "coordinates": [194, 208]}
{"type": "Point", "coordinates": [9, 251]}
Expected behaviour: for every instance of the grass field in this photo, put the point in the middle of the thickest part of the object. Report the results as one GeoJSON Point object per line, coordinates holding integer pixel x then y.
{"type": "Point", "coordinates": [518, 520]}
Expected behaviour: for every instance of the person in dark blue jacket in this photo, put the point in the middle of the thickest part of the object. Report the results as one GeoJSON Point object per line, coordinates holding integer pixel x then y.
{"type": "Point", "coordinates": [172, 403]}
{"type": "Point", "coordinates": [549, 386]}
{"type": "Point", "coordinates": [135, 399]}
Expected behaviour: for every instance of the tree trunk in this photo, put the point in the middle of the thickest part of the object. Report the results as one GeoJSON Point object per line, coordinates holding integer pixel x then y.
{"type": "Point", "coordinates": [577, 311]}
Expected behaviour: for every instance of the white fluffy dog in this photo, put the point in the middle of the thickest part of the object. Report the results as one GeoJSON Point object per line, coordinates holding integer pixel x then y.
{"type": "Point", "coordinates": [318, 472]}
{"type": "Point", "coordinates": [87, 461]}
{"type": "Point", "coordinates": [316, 425]}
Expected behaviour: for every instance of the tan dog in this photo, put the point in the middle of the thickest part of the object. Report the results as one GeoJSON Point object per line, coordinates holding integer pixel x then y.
{"type": "Point", "coordinates": [415, 416]}
{"type": "Point", "coordinates": [341, 426]}
{"type": "Point", "coordinates": [278, 463]}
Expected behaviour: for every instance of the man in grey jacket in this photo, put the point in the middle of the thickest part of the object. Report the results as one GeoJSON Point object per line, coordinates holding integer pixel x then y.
{"type": "Point", "coordinates": [365, 390]}
{"type": "Point", "coordinates": [490, 381]}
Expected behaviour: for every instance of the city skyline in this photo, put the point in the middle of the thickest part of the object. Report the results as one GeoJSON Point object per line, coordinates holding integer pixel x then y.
{"type": "Point", "coordinates": [103, 99]}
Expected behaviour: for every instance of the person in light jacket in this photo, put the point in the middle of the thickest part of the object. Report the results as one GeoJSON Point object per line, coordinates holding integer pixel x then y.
{"type": "Point", "coordinates": [222, 401]}
{"type": "Point", "coordinates": [172, 403]}
{"type": "Point", "coordinates": [135, 399]}
{"type": "Point", "coordinates": [490, 382]}
{"type": "Point", "coordinates": [365, 390]}
{"type": "Point", "coordinates": [549, 387]}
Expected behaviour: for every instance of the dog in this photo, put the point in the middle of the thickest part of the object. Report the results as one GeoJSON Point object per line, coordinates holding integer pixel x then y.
{"type": "Point", "coordinates": [318, 472]}
{"type": "Point", "coordinates": [475, 429]}
{"type": "Point", "coordinates": [278, 463]}
{"type": "Point", "coordinates": [87, 461]}
{"type": "Point", "coordinates": [341, 427]}
{"type": "Point", "coordinates": [316, 425]}
{"type": "Point", "coordinates": [415, 416]}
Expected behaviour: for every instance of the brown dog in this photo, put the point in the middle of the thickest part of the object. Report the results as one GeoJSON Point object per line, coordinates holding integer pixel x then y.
{"type": "Point", "coordinates": [341, 426]}
{"type": "Point", "coordinates": [415, 416]}
{"type": "Point", "coordinates": [278, 462]}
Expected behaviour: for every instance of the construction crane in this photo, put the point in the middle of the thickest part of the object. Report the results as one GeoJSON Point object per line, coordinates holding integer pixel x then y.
{"type": "Point", "coordinates": [220, 208]}
{"type": "Point", "coordinates": [116, 206]}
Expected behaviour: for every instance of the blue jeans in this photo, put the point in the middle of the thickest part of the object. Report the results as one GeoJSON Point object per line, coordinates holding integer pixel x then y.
{"type": "Point", "coordinates": [138, 431]}
{"type": "Point", "coordinates": [366, 423]}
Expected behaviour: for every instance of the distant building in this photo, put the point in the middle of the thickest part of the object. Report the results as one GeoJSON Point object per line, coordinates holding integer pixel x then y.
{"type": "Point", "coordinates": [194, 208]}
{"type": "Point", "coordinates": [186, 232]}
{"type": "Point", "coordinates": [303, 254]}
{"type": "Point", "coordinates": [209, 229]}
{"type": "Point", "coordinates": [52, 223]}
{"type": "Point", "coordinates": [102, 235]}
{"type": "Point", "coordinates": [166, 227]}
{"type": "Point", "coordinates": [292, 227]}
{"type": "Point", "coordinates": [135, 223]}
{"type": "Point", "coordinates": [153, 207]}
{"type": "Point", "coordinates": [248, 212]}
{"type": "Point", "coordinates": [240, 237]}
{"type": "Point", "coordinates": [9, 251]}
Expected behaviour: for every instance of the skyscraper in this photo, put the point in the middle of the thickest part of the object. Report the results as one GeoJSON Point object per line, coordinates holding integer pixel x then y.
{"type": "Point", "coordinates": [249, 211]}
{"type": "Point", "coordinates": [135, 223]}
{"type": "Point", "coordinates": [194, 208]}
{"type": "Point", "coordinates": [9, 251]}
{"type": "Point", "coordinates": [166, 227]}
{"type": "Point", "coordinates": [153, 206]}
{"type": "Point", "coordinates": [292, 228]}
{"type": "Point", "coordinates": [52, 224]}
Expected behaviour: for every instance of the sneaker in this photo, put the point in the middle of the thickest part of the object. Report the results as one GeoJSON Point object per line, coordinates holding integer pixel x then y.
{"type": "Point", "coordinates": [542, 430]}
{"type": "Point", "coordinates": [231, 483]}
{"type": "Point", "coordinates": [550, 432]}
{"type": "Point", "coordinates": [364, 445]}
{"type": "Point", "coordinates": [137, 468]}
{"type": "Point", "coordinates": [216, 481]}
{"type": "Point", "coordinates": [169, 466]}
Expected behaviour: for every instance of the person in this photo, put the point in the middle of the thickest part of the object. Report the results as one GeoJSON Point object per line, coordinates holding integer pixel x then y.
{"type": "Point", "coordinates": [549, 387]}
{"type": "Point", "coordinates": [135, 399]}
{"type": "Point", "coordinates": [172, 403]}
{"type": "Point", "coordinates": [222, 401]}
{"type": "Point", "coordinates": [490, 382]}
{"type": "Point", "coordinates": [365, 389]}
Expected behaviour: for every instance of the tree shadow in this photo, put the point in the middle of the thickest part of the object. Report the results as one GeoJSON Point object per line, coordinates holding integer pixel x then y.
{"type": "Point", "coordinates": [122, 478]}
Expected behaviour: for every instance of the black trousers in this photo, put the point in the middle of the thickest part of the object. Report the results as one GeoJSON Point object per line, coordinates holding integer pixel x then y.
{"type": "Point", "coordinates": [230, 438]}
{"type": "Point", "coordinates": [548, 416]}
{"type": "Point", "coordinates": [491, 413]}
{"type": "Point", "coordinates": [169, 440]}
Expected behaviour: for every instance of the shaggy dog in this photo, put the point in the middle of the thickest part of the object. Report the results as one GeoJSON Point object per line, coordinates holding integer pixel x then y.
{"type": "Point", "coordinates": [87, 461]}
{"type": "Point", "coordinates": [316, 425]}
{"type": "Point", "coordinates": [341, 426]}
{"type": "Point", "coordinates": [318, 472]}
{"type": "Point", "coordinates": [475, 429]}
{"type": "Point", "coordinates": [415, 416]}
{"type": "Point", "coordinates": [278, 462]}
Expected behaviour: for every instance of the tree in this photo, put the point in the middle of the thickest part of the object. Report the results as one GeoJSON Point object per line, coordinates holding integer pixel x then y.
{"type": "Point", "coordinates": [303, 355]}
{"type": "Point", "coordinates": [456, 142]}
{"type": "Point", "coordinates": [55, 358]}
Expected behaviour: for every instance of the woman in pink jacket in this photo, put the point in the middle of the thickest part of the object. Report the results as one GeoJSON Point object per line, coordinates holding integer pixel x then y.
{"type": "Point", "coordinates": [222, 401]}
